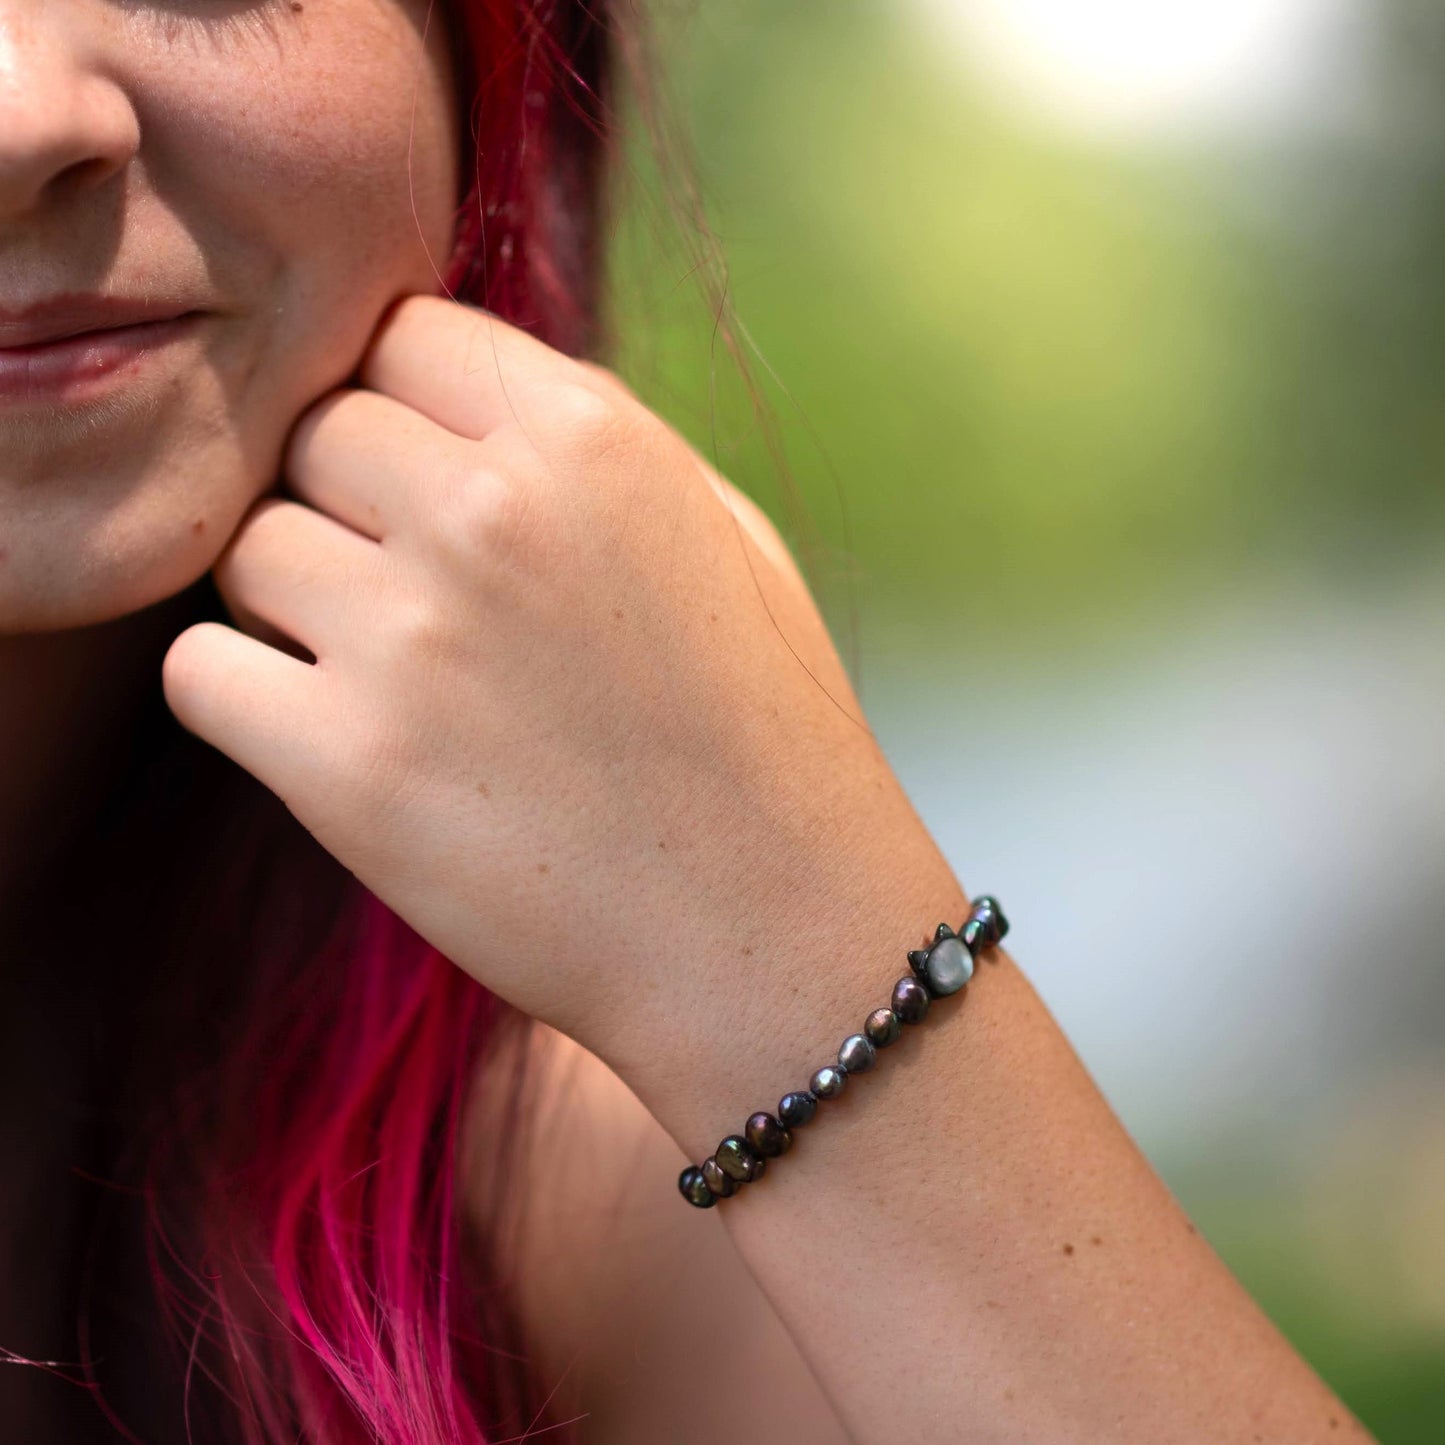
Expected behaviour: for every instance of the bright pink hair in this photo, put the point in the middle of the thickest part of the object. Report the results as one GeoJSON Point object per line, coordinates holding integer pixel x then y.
{"type": "Point", "coordinates": [289, 1126]}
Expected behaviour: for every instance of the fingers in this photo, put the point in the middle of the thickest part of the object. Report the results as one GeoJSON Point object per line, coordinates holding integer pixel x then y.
{"type": "Point", "coordinates": [465, 369]}
{"type": "Point", "coordinates": [370, 461]}
{"type": "Point", "coordinates": [245, 698]}
{"type": "Point", "coordinates": [302, 573]}
{"type": "Point", "coordinates": [469, 373]}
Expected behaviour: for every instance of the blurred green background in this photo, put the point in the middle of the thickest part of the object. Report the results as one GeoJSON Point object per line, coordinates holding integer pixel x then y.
{"type": "Point", "coordinates": [1103, 347]}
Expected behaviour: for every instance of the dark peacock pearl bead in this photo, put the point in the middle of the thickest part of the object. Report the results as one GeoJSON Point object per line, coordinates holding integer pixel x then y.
{"type": "Point", "coordinates": [694, 1187]}
{"type": "Point", "coordinates": [737, 1158]}
{"type": "Point", "coordinates": [767, 1136]}
{"type": "Point", "coordinates": [882, 1027]}
{"type": "Point", "coordinates": [723, 1186]}
{"type": "Point", "coordinates": [985, 926]}
{"type": "Point", "coordinates": [797, 1108]}
{"type": "Point", "coordinates": [918, 962]}
{"type": "Point", "coordinates": [910, 1000]}
{"type": "Point", "coordinates": [940, 969]}
{"type": "Point", "coordinates": [998, 924]}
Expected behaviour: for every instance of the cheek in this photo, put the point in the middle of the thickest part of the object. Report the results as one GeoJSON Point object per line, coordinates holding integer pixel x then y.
{"type": "Point", "coordinates": [317, 170]}
{"type": "Point", "coordinates": [309, 173]}
{"type": "Point", "coordinates": [319, 179]}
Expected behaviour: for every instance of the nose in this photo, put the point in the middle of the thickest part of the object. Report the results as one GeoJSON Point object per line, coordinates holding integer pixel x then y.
{"type": "Point", "coordinates": [64, 124]}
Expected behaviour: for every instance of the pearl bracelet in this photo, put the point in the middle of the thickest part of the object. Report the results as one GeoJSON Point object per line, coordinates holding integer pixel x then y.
{"type": "Point", "coordinates": [937, 971]}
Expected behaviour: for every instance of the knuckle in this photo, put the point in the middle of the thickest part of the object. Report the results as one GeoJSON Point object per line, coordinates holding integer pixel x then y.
{"type": "Point", "coordinates": [472, 504]}
{"type": "Point", "coordinates": [489, 513]}
{"type": "Point", "coordinates": [586, 420]}
{"type": "Point", "coordinates": [416, 630]}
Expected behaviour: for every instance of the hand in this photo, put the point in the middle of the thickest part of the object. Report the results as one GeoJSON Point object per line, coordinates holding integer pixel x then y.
{"type": "Point", "coordinates": [573, 714]}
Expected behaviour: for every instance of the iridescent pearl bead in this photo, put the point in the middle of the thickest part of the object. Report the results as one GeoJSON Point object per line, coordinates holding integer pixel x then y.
{"type": "Point", "coordinates": [918, 962]}
{"type": "Point", "coordinates": [882, 1027]}
{"type": "Point", "coordinates": [828, 1082]}
{"type": "Point", "coordinates": [722, 1185]}
{"type": "Point", "coordinates": [736, 1158]}
{"type": "Point", "coordinates": [767, 1136]}
{"type": "Point", "coordinates": [949, 966]}
{"type": "Point", "coordinates": [910, 1000]}
{"type": "Point", "coordinates": [694, 1187]}
{"type": "Point", "coordinates": [986, 925]}
{"type": "Point", "coordinates": [856, 1054]}
{"type": "Point", "coordinates": [797, 1108]}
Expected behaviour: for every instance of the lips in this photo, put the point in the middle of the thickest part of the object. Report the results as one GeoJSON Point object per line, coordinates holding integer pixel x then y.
{"type": "Point", "coordinates": [71, 349]}
{"type": "Point", "coordinates": [62, 317]}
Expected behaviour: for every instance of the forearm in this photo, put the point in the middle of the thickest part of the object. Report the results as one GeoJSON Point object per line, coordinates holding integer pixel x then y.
{"type": "Point", "coordinates": [967, 1244]}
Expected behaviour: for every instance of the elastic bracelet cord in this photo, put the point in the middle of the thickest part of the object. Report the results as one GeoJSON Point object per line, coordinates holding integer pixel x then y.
{"type": "Point", "coordinates": [936, 971]}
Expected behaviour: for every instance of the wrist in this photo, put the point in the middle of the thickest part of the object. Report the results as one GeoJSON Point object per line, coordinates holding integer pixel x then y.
{"type": "Point", "coordinates": [798, 976]}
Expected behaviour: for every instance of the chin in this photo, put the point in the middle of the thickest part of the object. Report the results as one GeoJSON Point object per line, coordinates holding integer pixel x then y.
{"type": "Point", "coordinates": [83, 554]}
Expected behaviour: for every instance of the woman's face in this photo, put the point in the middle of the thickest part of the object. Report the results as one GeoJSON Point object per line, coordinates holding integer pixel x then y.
{"type": "Point", "coordinates": [248, 185]}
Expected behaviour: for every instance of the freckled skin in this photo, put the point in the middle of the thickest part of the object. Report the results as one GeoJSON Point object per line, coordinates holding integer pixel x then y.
{"type": "Point", "coordinates": [251, 161]}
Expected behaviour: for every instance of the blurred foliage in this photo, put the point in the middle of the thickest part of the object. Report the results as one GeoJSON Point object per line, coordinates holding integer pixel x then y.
{"type": "Point", "coordinates": [1079, 388]}
{"type": "Point", "coordinates": [1042, 395]}
{"type": "Point", "coordinates": [1390, 1372]}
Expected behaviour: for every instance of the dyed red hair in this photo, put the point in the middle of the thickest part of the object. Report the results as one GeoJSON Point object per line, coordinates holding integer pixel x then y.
{"type": "Point", "coordinates": [285, 1063]}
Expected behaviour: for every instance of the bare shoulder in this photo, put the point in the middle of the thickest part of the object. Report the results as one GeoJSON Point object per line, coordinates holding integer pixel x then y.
{"type": "Point", "coordinates": [639, 1307]}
